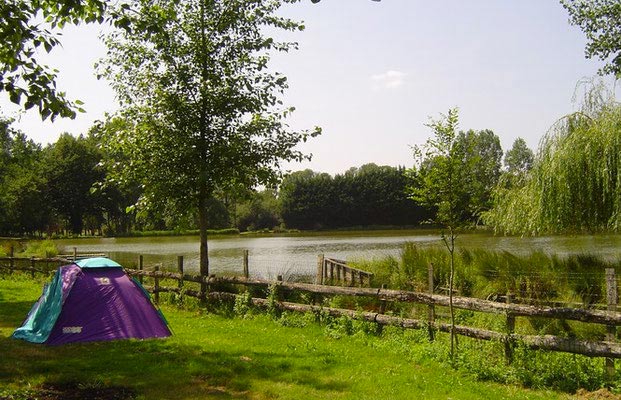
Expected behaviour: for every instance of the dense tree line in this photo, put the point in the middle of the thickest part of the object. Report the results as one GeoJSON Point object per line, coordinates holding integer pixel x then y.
{"type": "Point", "coordinates": [65, 188]}
{"type": "Point", "coordinates": [365, 196]}
{"type": "Point", "coordinates": [49, 189]}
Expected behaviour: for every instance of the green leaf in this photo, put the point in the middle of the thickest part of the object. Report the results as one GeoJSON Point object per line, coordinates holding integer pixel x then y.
{"type": "Point", "coordinates": [15, 96]}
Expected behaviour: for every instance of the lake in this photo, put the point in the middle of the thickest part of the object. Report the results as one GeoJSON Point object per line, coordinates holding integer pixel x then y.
{"type": "Point", "coordinates": [286, 255]}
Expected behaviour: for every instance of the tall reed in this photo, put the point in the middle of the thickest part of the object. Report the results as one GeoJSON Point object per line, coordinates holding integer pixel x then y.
{"type": "Point", "coordinates": [489, 274]}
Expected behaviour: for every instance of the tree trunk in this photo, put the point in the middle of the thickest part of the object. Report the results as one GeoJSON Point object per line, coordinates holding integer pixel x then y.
{"type": "Point", "coordinates": [204, 249]}
{"type": "Point", "coordinates": [203, 192]}
{"type": "Point", "coordinates": [450, 244]}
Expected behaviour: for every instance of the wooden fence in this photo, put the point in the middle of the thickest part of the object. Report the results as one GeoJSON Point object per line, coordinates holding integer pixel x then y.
{"type": "Point", "coordinates": [331, 271]}
{"type": "Point", "coordinates": [210, 287]}
{"type": "Point", "coordinates": [609, 348]}
{"type": "Point", "coordinates": [32, 264]}
{"type": "Point", "coordinates": [45, 264]}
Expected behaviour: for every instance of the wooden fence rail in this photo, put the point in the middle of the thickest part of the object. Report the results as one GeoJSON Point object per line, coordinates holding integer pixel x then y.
{"type": "Point", "coordinates": [606, 349]}
{"type": "Point", "coordinates": [466, 303]}
{"type": "Point", "coordinates": [545, 342]}
{"type": "Point", "coordinates": [610, 348]}
{"type": "Point", "coordinates": [33, 264]}
{"type": "Point", "coordinates": [608, 317]}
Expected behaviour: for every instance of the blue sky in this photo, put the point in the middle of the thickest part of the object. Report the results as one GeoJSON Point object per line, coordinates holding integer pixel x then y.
{"type": "Point", "coordinates": [371, 74]}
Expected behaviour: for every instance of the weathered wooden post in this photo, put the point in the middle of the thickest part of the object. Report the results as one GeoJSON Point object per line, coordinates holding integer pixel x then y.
{"type": "Point", "coordinates": [156, 286]}
{"type": "Point", "coordinates": [11, 261]}
{"type": "Point", "coordinates": [611, 330]}
{"type": "Point", "coordinates": [32, 267]}
{"type": "Point", "coordinates": [320, 263]}
{"type": "Point", "coordinates": [75, 254]}
{"type": "Point", "coordinates": [431, 311]}
{"type": "Point", "coordinates": [210, 285]}
{"type": "Point", "coordinates": [279, 278]}
{"type": "Point", "coordinates": [331, 275]}
{"type": "Point", "coordinates": [180, 269]}
{"type": "Point", "coordinates": [325, 270]}
{"type": "Point", "coordinates": [246, 269]}
{"type": "Point", "coordinates": [510, 331]}
{"type": "Point", "coordinates": [382, 309]}
{"type": "Point", "coordinates": [141, 267]}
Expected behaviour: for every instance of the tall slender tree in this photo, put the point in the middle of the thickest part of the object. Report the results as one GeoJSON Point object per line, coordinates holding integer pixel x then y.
{"type": "Point", "coordinates": [205, 110]}
{"type": "Point", "coordinates": [441, 185]}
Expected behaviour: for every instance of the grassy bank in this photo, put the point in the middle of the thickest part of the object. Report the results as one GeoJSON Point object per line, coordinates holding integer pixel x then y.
{"type": "Point", "coordinates": [223, 357]}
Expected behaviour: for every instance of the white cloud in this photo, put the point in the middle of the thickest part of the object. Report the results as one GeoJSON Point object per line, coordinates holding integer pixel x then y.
{"type": "Point", "coordinates": [389, 80]}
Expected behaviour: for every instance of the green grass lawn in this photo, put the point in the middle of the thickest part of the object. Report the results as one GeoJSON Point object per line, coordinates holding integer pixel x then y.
{"type": "Point", "coordinates": [216, 357]}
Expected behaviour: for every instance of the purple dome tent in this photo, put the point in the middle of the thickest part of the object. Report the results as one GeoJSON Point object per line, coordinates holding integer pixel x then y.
{"type": "Point", "coordinates": [92, 300]}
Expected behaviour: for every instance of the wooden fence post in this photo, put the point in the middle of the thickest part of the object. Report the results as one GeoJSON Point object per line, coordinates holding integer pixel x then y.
{"type": "Point", "coordinates": [320, 263]}
{"type": "Point", "coordinates": [246, 269]}
{"type": "Point", "coordinates": [432, 309]}
{"type": "Point", "coordinates": [156, 287]}
{"type": "Point", "coordinates": [75, 254]}
{"type": "Point", "coordinates": [382, 309]}
{"type": "Point", "coordinates": [510, 331]}
{"type": "Point", "coordinates": [11, 261]}
{"type": "Point", "coordinates": [141, 267]}
{"type": "Point", "coordinates": [180, 269]}
{"type": "Point", "coordinates": [611, 330]}
{"type": "Point", "coordinates": [325, 271]}
{"type": "Point", "coordinates": [209, 286]}
{"type": "Point", "coordinates": [32, 267]}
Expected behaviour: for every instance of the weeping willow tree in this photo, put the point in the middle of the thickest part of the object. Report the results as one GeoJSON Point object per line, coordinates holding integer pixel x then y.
{"type": "Point", "coordinates": [575, 183]}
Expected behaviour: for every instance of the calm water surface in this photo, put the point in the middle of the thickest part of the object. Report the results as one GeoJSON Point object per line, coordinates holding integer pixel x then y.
{"type": "Point", "coordinates": [287, 255]}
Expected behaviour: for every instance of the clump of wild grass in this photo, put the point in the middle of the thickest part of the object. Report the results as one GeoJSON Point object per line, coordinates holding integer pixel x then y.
{"type": "Point", "coordinates": [42, 248]}
{"type": "Point", "coordinates": [487, 274]}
